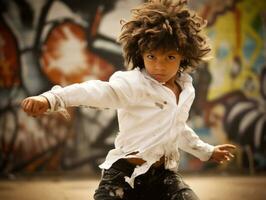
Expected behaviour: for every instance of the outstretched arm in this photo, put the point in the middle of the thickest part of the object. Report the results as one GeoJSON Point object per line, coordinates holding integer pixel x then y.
{"type": "Point", "coordinates": [190, 142]}
{"type": "Point", "coordinates": [117, 93]}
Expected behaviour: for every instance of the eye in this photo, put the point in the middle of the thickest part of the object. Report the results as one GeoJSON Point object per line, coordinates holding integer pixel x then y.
{"type": "Point", "coordinates": [150, 56]}
{"type": "Point", "coordinates": [171, 57]}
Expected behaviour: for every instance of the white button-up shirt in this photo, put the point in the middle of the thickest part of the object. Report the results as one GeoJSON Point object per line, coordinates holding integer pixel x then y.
{"type": "Point", "coordinates": [151, 123]}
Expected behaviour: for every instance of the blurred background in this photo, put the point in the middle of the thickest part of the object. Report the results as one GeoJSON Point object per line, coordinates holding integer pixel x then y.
{"type": "Point", "coordinates": [60, 42]}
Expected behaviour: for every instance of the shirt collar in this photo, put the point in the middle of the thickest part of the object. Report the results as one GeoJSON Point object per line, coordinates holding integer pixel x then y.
{"type": "Point", "coordinates": [183, 79]}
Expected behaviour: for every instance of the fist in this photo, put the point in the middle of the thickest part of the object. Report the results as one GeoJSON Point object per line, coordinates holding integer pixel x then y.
{"type": "Point", "coordinates": [35, 106]}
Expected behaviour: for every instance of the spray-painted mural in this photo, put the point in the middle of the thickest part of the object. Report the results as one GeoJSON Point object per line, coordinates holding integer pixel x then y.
{"type": "Point", "coordinates": [48, 42]}
{"type": "Point", "coordinates": [231, 90]}
{"type": "Point", "coordinates": [44, 43]}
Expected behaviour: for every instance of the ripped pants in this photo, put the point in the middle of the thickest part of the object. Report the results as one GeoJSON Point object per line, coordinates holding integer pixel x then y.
{"type": "Point", "coordinates": [156, 184]}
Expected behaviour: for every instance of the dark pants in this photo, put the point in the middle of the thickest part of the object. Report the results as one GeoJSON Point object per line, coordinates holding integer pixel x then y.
{"type": "Point", "coordinates": [156, 184]}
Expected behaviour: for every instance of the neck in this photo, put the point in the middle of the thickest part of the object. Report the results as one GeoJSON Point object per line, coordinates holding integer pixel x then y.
{"type": "Point", "coordinates": [170, 82]}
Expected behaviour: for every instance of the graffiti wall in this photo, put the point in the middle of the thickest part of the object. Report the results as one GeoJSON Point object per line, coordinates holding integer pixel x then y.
{"type": "Point", "coordinates": [48, 42]}
{"type": "Point", "coordinates": [230, 105]}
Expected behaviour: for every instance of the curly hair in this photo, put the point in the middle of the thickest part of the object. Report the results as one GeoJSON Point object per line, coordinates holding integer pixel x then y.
{"type": "Point", "coordinates": [167, 25]}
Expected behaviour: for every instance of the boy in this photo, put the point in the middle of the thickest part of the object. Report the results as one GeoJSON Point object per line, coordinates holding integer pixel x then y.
{"type": "Point", "coordinates": [160, 42]}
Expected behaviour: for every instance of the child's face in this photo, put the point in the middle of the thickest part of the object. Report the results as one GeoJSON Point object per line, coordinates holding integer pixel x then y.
{"type": "Point", "coordinates": [162, 65]}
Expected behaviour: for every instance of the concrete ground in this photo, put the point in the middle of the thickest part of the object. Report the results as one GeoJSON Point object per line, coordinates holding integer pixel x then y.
{"type": "Point", "coordinates": [61, 188]}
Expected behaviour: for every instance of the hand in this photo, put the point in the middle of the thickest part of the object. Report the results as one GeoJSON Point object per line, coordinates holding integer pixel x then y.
{"type": "Point", "coordinates": [35, 106]}
{"type": "Point", "coordinates": [222, 153]}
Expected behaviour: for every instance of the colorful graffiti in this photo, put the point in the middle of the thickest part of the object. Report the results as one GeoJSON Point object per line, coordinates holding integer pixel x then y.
{"type": "Point", "coordinates": [234, 104]}
{"type": "Point", "coordinates": [41, 47]}
{"type": "Point", "coordinates": [47, 42]}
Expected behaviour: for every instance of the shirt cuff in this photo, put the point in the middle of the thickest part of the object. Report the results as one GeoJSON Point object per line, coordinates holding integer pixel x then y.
{"type": "Point", "coordinates": [208, 152]}
{"type": "Point", "coordinates": [51, 99]}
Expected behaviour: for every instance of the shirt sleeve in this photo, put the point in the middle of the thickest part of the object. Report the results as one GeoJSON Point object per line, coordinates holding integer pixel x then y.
{"type": "Point", "coordinates": [117, 93]}
{"type": "Point", "coordinates": [190, 142]}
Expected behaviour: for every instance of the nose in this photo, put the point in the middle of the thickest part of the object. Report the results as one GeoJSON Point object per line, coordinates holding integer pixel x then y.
{"type": "Point", "coordinates": [160, 65]}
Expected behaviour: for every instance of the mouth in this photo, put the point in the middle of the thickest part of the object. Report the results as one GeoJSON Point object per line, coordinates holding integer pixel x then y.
{"type": "Point", "coordinates": [159, 75]}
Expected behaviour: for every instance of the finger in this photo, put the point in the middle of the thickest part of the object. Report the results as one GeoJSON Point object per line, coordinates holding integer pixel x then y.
{"type": "Point", "coordinates": [223, 153]}
{"type": "Point", "coordinates": [227, 146]}
{"type": "Point", "coordinates": [27, 106]}
{"type": "Point", "coordinates": [227, 155]}
{"type": "Point", "coordinates": [34, 108]}
{"type": "Point", "coordinates": [23, 102]}
{"type": "Point", "coordinates": [227, 158]}
{"type": "Point", "coordinates": [231, 155]}
{"type": "Point", "coordinates": [31, 110]}
{"type": "Point", "coordinates": [226, 152]}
